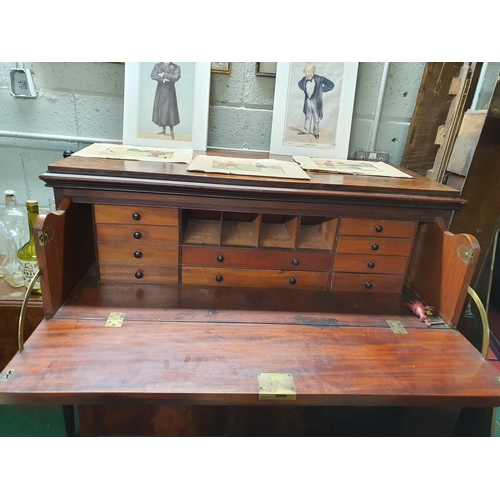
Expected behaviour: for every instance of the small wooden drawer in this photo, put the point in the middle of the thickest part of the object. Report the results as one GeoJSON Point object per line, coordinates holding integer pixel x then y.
{"type": "Point", "coordinates": [262, 278]}
{"type": "Point", "coordinates": [379, 264]}
{"type": "Point", "coordinates": [374, 245]}
{"type": "Point", "coordinates": [138, 254]}
{"type": "Point", "coordinates": [138, 233]}
{"type": "Point", "coordinates": [139, 274]}
{"type": "Point", "coordinates": [376, 283]}
{"type": "Point", "coordinates": [111, 214]}
{"type": "Point", "coordinates": [269, 259]}
{"type": "Point", "coordinates": [384, 228]}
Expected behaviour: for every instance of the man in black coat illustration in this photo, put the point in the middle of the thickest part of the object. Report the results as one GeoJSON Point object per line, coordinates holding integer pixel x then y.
{"type": "Point", "coordinates": [165, 110]}
{"type": "Point", "coordinates": [313, 86]}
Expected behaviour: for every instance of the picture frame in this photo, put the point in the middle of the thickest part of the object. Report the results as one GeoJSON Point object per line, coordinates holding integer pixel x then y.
{"type": "Point", "coordinates": [266, 68]}
{"type": "Point", "coordinates": [223, 68]}
{"type": "Point", "coordinates": [325, 129]}
{"type": "Point", "coordinates": [182, 121]}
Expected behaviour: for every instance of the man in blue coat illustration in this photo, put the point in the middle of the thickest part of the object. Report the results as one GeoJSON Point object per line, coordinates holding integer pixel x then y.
{"type": "Point", "coordinates": [313, 86]}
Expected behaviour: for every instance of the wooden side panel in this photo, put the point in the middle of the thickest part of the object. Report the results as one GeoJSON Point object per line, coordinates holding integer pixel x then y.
{"type": "Point", "coordinates": [431, 109]}
{"type": "Point", "coordinates": [64, 242]}
{"type": "Point", "coordinates": [438, 272]}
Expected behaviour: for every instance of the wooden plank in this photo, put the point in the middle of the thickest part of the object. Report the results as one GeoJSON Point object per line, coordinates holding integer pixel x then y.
{"type": "Point", "coordinates": [441, 267]}
{"type": "Point", "coordinates": [64, 244]}
{"type": "Point", "coordinates": [431, 109]}
{"type": "Point", "coordinates": [195, 363]}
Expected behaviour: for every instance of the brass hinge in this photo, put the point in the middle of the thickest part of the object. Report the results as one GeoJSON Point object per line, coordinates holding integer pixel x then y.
{"type": "Point", "coordinates": [466, 254]}
{"type": "Point", "coordinates": [6, 376]}
{"type": "Point", "coordinates": [45, 237]}
{"type": "Point", "coordinates": [276, 386]}
{"type": "Point", "coordinates": [396, 326]}
{"type": "Point", "coordinates": [115, 320]}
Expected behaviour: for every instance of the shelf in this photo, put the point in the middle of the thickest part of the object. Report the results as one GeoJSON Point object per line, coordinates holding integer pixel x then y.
{"type": "Point", "coordinates": [202, 232]}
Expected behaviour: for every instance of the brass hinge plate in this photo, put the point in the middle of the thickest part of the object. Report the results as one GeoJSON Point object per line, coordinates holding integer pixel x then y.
{"type": "Point", "coordinates": [45, 237]}
{"type": "Point", "coordinates": [276, 386]}
{"type": "Point", "coordinates": [396, 327]}
{"type": "Point", "coordinates": [466, 254]}
{"type": "Point", "coordinates": [6, 376]}
{"type": "Point", "coordinates": [115, 320]}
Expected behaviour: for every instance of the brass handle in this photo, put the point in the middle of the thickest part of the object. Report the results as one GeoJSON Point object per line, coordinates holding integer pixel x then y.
{"type": "Point", "coordinates": [22, 315]}
{"type": "Point", "coordinates": [484, 318]}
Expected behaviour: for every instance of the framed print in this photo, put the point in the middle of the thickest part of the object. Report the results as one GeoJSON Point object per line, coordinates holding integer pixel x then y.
{"type": "Point", "coordinates": [265, 69]}
{"type": "Point", "coordinates": [221, 67]}
{"type": "Point", "coordinates": [313, 106]}
{"type": "Point", "coordinates": [166, 104]}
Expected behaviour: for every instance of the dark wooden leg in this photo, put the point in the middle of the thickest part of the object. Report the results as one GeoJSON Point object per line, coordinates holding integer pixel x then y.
{"type": "Point", "coordinates": [475, 422]}
{"type": "Point", "coordinates": [69, 420]}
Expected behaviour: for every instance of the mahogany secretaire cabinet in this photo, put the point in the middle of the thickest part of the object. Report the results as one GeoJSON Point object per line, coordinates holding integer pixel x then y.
{"type": "Point", "coordinates": [180, 303]}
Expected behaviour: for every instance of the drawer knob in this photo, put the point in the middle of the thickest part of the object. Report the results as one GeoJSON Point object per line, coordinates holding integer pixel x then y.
{"type": "Point", "coordinates": [368, 285]}
{"type": "Point", "coordinates": [295, 262]}
{"type": "Point", "coordinates": [379, 229]}
{"type": "Point", "coordinates": [138, 254]}
{"type": "Point", "coordinates": [218, 278]}
{"type": "Point", "coordinates": [220, 258]}
{"type": "Point", "coordinates": [139, 275]}
{"type": "Point", "coordinates": [292, 281]}
{"type": "Point", "coordinates": [136, 216]}
{"type": "Point", "coordinates": [371, 265]}
{"type": "Point", "coordinates": [137, 235]}
{"type": "Point", "coordinates": [375, 246]}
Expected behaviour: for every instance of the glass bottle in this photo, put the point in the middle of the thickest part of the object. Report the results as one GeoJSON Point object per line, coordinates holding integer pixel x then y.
{"type": "Point", "coordinates": [14, 219]}
{"type": "Point", "coordinates": [27, 254]}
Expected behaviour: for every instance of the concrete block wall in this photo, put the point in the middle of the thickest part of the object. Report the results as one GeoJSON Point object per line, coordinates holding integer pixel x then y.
{"type": "Point", "coordinates": [85, 99]}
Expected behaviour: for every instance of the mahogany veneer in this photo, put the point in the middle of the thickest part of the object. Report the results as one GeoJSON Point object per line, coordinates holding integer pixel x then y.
{"type": "Point", "coordinates": [221, 278]}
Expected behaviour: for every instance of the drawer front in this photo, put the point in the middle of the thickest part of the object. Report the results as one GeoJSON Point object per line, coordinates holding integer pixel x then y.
{"type": "Point", "coordinates": [270, 259]}
{"type": "Point", "coordinates": [130, 233]}
{"type": "Point", "coordinates": [385, 228]}
{"type": "Point", "coordinates": [263, 278]}
{"type": "Point", "coordinates": [384, 264]}
{"type": "Point", "coordinates": [374, 283]}
{"type": "Point", "coordinates": [110, 214]}
{"type": "Point", "coordinates": [374, 245]}
{"type": "Point", "coordinates": [138, 254]}
{"type": "Point", "coordinates": [168, 275]}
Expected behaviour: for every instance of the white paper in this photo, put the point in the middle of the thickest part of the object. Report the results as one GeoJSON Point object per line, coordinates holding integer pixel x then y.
{"type": "Point", "coordinates": [351, 167]}
{"type": "Point", "coordinates": [123, 152]}
{"type": "Point", "coordinates": [247, 166]}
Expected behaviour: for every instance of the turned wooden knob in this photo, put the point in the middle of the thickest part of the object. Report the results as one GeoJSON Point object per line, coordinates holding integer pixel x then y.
{"type": "Point", "coordinates": [139, 275]}
{"type": "Point", "coordinates": [220, 258]}
{"type": "Point", "coordinates": [371, 265]}
{"type": "Point", "coordinates": [379, 229]}
{"type": "Point", "coordinates": [137, 235]}
{"type": "Point", "coordinates": [138, 254]}
{"type": "Point", "coordinates": [375, 246]}
{"type": "Point", "coordinates": [218, 278]}
{"type": "Point", "coordinates": [136, 216]}
{"type": "Point", "coordinates": [295, 262]}
{"type": "Point", "coordinates": [292, 281]}
{"type": "Point", "coordinates": [368, 285]}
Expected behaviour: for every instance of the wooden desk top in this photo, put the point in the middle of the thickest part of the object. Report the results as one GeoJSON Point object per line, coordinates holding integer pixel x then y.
{"type": "Point", "coordinates": [156, 177]}
{"type": "Point", "coordinates": [188, 345]}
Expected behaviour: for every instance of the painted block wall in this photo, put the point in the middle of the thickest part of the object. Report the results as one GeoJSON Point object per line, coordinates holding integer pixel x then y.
{"type": "Point", "coordinates": [86, 99]}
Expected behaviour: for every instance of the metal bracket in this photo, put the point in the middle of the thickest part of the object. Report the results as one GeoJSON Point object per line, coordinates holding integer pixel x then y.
{"type": "Point", "coordinates": [396, 326]}
{"type": "Point", "coordinates": [115, 320]}
{"type": "Point", "coordinates": [466, 254]}
{"type": "Point", "coordinates": [6, 376]}
{"type": "Point", "coordinates": [45, 237]}
{"type": "Point", "coordinates": [276, 386]}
